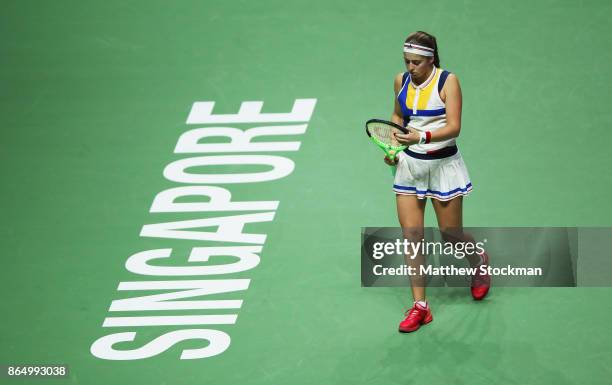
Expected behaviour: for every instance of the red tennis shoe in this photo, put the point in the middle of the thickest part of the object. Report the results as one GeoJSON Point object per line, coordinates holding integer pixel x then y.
{"type": "Point", "coordinates": [481, 282]}
{"type": "Point", "coordinates": [416, 317]}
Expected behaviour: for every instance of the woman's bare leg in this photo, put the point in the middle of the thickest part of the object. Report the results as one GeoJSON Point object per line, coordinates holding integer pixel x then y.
{"type": "Point", "coordinates": [411, 215]}
{"type": "Point", "coordinates": [450, 222]}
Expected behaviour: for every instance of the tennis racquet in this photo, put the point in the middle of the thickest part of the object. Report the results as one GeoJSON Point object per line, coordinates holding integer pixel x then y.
{"type": "Point", "coordinates": [381, 132]}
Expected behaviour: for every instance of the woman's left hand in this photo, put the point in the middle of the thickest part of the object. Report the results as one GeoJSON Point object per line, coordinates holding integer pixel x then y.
{"type": "Point", "coordinates": [412, 137]}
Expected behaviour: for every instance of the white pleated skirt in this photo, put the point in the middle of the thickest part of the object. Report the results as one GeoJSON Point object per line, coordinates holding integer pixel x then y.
{"type": "Point", "coordinates": [442, 179]}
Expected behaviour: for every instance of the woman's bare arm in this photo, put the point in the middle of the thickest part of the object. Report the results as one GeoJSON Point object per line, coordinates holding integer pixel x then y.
{"type": "Point", "coordinates": [397, 116]}
{"type": "Point", "coordinates": [451, 95]}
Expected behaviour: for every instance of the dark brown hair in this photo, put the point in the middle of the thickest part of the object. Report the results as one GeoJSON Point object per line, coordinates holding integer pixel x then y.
{"type": "Point", "coordinates": [427, 40]}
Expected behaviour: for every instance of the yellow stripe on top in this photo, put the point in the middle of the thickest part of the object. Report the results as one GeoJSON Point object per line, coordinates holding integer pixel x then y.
{"type": "Point", "coordinates": [423, 95]}
{"type": "Point", "coordinates": [410, 96]}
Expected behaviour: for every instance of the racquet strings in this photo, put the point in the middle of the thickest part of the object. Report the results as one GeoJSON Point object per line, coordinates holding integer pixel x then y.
{"type": "Point", "coordinates": [384, 133]}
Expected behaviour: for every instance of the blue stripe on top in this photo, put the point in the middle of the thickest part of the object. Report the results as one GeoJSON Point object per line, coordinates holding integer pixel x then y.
{"type": "Point", "coordinates": [437, 112]}
{"type": "Point", "coordinates": [401, 97]}
{"type": "Point", "coordinates": [442, 80]}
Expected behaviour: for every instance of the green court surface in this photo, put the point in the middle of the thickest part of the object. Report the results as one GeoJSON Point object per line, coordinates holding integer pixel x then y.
{"type": "Point", "coordinates": [95, 95]}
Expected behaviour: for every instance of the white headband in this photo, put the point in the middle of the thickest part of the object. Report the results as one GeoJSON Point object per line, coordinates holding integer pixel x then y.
{"type": "Point", "coordinates": [418, 49]}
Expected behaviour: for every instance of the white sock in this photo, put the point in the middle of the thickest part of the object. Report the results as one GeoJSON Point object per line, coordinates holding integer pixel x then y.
{"type": "Point", "coordinates": [422, 303]}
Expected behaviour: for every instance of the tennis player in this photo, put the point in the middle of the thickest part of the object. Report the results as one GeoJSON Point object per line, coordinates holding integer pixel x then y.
{"type": "Point", "coordinates": [428, 103]}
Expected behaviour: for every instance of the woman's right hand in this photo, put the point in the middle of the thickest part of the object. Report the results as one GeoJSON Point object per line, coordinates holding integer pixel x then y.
{"type": "Point", "coordinates": [391, 162]}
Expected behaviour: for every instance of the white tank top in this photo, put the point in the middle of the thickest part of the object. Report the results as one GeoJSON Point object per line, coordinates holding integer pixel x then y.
{"type": "Point", "coordinates": [425, 109]}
